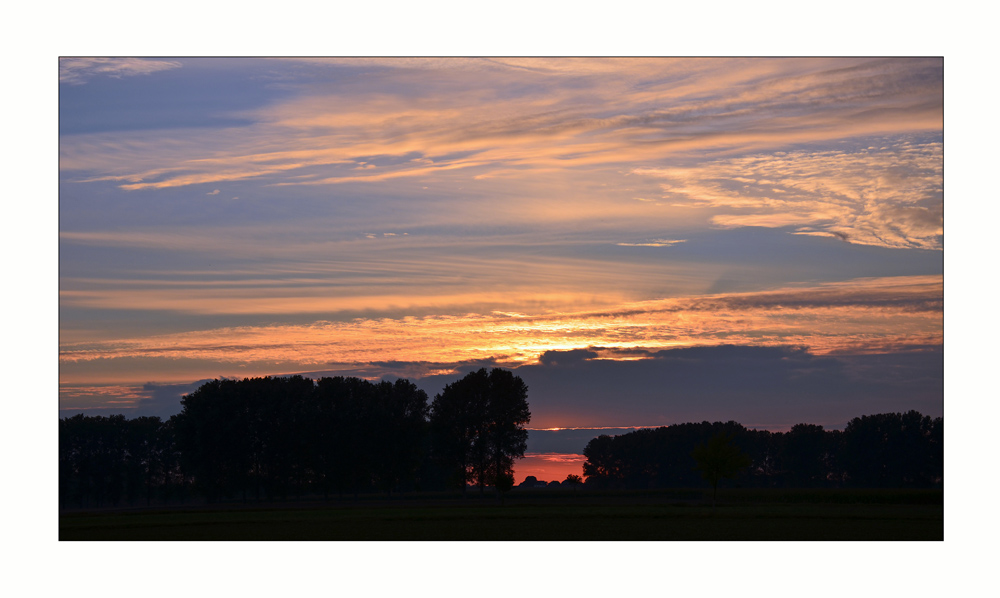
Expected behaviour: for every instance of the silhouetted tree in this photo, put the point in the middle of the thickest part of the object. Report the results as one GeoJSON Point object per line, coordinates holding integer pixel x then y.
{"type": "Point", "coordinates": [285, 434]}
{"type": "Point", "coordinates": [765, 454]}
{"type": "Point", "coordinates": [893, 450]}
{"type": "Point", "coordinates": [478, 425]}
{"type": "Point", "coordinates": [601, 468]}
{"type": "Point", "coordinates": [216, 440]}
{"type": "Point", "coordinates": [655, 458]}
{"type": "Point", "coordinates": [175, 483]}
{"type": "Point", "coordinates": [399, 412]}
{"type": "Point", "coordinates": [144, 466]}
{"type": "Point", "coordinates": [342, 430]}
{"type": "Point", "coordinates": [503, 483]}
{"type": "Point", "coordinates": [281, 408]}
{"type": "Point", "coordinates": [95, 463]}
{"type": "Point", "coordinates": [278, 435]}
{"type": "Point", "coordinates": [806, 456]}
{"type": "Point", "coordinates": [719, 458]}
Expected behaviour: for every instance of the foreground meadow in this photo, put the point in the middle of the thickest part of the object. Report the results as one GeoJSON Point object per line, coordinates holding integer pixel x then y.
{"type": "Point", "coordinates": [664, 515]}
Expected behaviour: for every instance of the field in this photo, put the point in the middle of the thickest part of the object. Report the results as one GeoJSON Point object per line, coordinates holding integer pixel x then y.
{"type": "Point", "coordinates": [528, 515]}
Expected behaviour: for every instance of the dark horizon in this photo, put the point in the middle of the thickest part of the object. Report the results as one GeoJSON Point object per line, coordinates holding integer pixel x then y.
{"type": "Point", "coordinates": [288, 436]}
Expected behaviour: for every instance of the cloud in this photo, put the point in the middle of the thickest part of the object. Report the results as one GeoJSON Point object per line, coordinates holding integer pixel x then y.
{"type": "Point", "coordinates": [566, 357]}
{"type": "Point", "coordinates": [558, 116]}
{"type": "Point", "coordinates": [868, 315]}
{"type": "Point", "coordinates": [888, 196]}
{"type": "Point", "coordinates": [528, 237]}
{"type": "Point", "coordinates": [77, 71]}
{"type": "Point", "coordinates": [164, 400]}
{"type": "Point", "coordinates": [215, 192]}
{"type": "Point", "coordinates": [558, 457]}
{"type": "Point", "coordinates": [84, 398]}
{"type": "Point", "coordinates": [151, 399]}
{"type": "Point", "coordinates": [763, 387]}
{"type": "Point", "coordinates": [568, 441]}
{"type": "Point", "coordinates": [309, 268]}
{"type": "Point", "coordinates": [653, 243]}
{"type": "Point", "coordinates": [580, 394]}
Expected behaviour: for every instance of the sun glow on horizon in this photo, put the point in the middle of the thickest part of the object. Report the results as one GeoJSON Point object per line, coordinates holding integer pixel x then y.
{"type": "Point", "coordinates": [416, 217]}
{"type": "Point", "coordinates": [549, 467]}
{"type": "Point", "coordinates": [870, 315]}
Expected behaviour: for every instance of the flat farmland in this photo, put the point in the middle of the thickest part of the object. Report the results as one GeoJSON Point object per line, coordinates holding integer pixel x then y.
{"type": "Point", "coordinates": [652, 515]}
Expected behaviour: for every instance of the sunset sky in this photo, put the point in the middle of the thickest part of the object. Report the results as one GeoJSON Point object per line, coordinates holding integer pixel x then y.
{"type": "Point", "coordinates": [644, 241]}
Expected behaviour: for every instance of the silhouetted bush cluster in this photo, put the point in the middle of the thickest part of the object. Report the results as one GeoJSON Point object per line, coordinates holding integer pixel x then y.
{"type": "Point", "coordinates": [888, 450]}
{"type": "Point", "coordinates": [269, 438]}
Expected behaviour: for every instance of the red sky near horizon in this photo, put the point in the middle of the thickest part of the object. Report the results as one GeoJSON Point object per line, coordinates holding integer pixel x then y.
{"type": "Point", "coordinates": [548, 467]}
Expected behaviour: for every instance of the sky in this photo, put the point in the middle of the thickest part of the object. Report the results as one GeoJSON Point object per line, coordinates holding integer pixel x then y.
{"type": "Point", "coordinates": [644, 241]}
{"type": "Point", "coordinates": [37, 261]}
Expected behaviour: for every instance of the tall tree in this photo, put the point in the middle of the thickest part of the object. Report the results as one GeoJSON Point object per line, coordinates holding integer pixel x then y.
{"type": "Point", "coordinates": [478, 425]}
{"type": "Point", "coordinates": [719, 458]}
{"type": "Point", "coordinates": [215, 439]}
{"type": "Point", "coordinates": [143, 465]}
{"type": "Point", "coordinates": [602, 469]}
{"type": "Point", "coordinates": [806, 456]}
{"type": "Point", "coordinates": [399, 417]}
{"type": "Point", "coordinates": [893, 450]}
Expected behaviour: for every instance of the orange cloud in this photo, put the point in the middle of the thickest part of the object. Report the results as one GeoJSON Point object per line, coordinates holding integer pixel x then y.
{"type": "Point", "coordinates": [863, 315]}
{"type": "Point", "coordinates": [100, 397]}
{"type": "Point", "coordinates": [888, 196]}
{"type": "Point", "coordinates": [568, 114]}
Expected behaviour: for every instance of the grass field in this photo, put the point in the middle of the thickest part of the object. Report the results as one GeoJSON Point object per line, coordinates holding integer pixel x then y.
{"type": "Point", "coordinates": [667, 515]}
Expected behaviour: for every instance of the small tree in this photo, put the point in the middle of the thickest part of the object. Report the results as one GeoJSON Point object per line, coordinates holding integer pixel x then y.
{"type": "Point", "coordinates": [573, 481]}
{"type": "Point", "coordinates": [503, 483]}
{"type": "Point", "coordinates": [718, 458]}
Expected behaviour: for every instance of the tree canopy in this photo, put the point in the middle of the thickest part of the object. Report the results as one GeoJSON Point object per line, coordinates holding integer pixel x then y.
{"type": "Point", "coordinates": [278, 436]}
{"type": "Point", "coordinates": [478, 423]}
{"type": "Point", "coordinates": [273, 437]}
{"type": "Point", "coordinates": [719, 458]}
{"type": "Point", "coordinates": [900, 450]}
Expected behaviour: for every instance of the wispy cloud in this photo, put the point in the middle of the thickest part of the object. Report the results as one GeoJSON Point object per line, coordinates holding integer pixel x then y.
{"type": "Point", "coordinates": [566, 114]}
{"type": "Point", "coordinates": [303, 269]}
{"type": "Point", "coordinates": [77, 71]}
{"type": "Point", "coordinates": [161, 400]}
{"type": "Point", "coordinates": [653, 243]}
{"type": "Point", "coordinates": [79, 397]}
{"type": "Point", "coordinates": [558, 458]}
{"type": "Point", "coordinates": [888, 195]}
{"type": "Point", "coordinates": [863, 315]}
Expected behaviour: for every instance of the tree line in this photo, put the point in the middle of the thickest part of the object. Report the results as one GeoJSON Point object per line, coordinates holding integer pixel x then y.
{"type": "Point", "coordinates": [886, 450]}
{"type": "Point", "coordinates": [275, 437]}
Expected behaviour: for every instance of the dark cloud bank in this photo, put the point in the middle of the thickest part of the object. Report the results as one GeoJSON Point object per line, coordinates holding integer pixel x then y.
{"type": "Point", "coordinates": [159, 400]}
{"type": "Point", "coordinates": [764, 387]}
{"type": "Point", "coordinates": [759, 387]}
